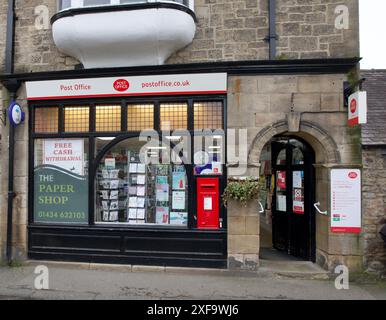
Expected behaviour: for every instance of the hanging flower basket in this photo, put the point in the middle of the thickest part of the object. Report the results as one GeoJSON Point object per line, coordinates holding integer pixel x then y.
{"type": "Point", "coordinates": [242, 191]}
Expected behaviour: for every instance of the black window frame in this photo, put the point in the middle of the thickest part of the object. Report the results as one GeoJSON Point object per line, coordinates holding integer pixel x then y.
{"type": "Point", "coordinates": [92, 134]}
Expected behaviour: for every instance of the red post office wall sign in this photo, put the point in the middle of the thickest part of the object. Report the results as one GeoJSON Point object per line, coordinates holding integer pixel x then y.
{"type": "Point", "coordinates": [357, 108]}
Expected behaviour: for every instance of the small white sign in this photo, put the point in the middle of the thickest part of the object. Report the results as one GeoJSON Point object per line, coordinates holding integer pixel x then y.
{"type": "Point", "coordinates": [357, 108]}
{"type": "Point", "coordinates": [346, 200]}
{"type": "Point", "coordinates": [64, 153]}
{"type": "Point", "coordinates": [208, 203]}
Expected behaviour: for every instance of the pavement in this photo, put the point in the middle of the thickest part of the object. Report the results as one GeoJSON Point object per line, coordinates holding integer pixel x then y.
{"type": "Point", "coordinates": [84, 281]}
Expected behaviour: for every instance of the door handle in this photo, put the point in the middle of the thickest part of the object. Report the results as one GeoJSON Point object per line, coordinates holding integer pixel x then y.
{"type": "Point", "coordinates": [316, 205]}
{"type": "Point", "coordinates": [261, 208]}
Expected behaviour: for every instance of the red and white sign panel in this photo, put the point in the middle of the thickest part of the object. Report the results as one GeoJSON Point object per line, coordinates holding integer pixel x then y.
{"type": "Point", "coordinates": [357, 108]}
{"type": "Point", "coordinates": [200, 83]}
{"type": "Point", "coordinates": [346, 201]}
{"type": "Point", "coordinates": [65, 153]}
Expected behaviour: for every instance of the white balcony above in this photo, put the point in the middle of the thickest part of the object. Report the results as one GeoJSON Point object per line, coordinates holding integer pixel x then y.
{"type": "Point", "coordinates": [119, 33]}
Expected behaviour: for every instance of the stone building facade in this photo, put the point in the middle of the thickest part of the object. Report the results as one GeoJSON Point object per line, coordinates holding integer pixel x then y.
{"type": "Point", "coordinates": [303, 104]}
{"type": "Point", "coordinates": [374, 165]}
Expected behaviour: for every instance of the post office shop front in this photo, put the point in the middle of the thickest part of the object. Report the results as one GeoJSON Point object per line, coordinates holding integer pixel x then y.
{"type": "Point", "coordinates": [106, 182]}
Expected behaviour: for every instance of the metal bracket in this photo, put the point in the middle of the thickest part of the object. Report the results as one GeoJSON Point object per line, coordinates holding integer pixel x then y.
{"type": "Point", "coordinates": [316, 205]}
{"type": "Point", "coordinates": [261, 208]}
{"type": "Point", "coordinates": [269, 37]}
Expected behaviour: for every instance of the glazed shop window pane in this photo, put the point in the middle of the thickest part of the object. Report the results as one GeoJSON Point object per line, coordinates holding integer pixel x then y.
{"type": "Point", "coordinates": [140, 117]}
{"type": "Point", "coordinates": [60, 181]}
{"type": "Point", "coordinates": [128, 191]}
{"type": "Point", "coordinates": [87, 3]}
{"type": "Point", "coordinates": [281, 158]}
{"type": "Point", "coordinates": [209, 153]}
{"type": "Point", "coordinates": [46, 120]}
{"type": "Point", "coordinates": [174, 116]}
{"type": "Point", "coordinates": [64, 4]}
{"type": "Point", "coordinates": [76, 119]}
{"type": "Point", "coordinates": [108, 118]}
{"type": "Point", "coordinates": [207, 115]}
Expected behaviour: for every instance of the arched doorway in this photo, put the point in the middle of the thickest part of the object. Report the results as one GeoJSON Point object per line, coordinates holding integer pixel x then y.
{"type": "Point", "coordinates": [288, 226]}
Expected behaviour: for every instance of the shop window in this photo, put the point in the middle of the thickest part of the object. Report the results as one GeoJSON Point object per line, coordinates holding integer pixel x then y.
{"type": "Point", "coordinates": [46, 120]}
{"type": "Point", "coordinates": [208, 156]}
{"type": "Point", "coordinates": [297, 156]}
{"type": "Point", "coordinates": [297, 153]}
{"type": "Point", "coordinates": [108, 118]}
{"type": "Point", "coordinates": [174, 116]}
{"type": "Point", "coordinates": [60, 181]}
{"type": "Point", "coordinates": [64, 4]}
{"type": "Point", "coordinates": [207, 115]}
{"type": "Point", "coordinates": [281, 158]}
{"type": "Point", "coordinates": [140, 117]}
{"type": "Point", "coordinates": [87, 3]}
{"type": "Point", "coordinates": [76, 119]}
{"type": "Point", "coordinates": [129, 191]}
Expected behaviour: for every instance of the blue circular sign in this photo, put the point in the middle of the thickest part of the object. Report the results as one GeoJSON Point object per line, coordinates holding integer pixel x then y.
{"type": "Point", "coordinates": [16, 115]}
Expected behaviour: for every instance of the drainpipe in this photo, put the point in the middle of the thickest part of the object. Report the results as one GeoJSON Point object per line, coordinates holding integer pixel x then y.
{"type": "Point", "coordinates": [272, 37]}
{"type": "Point", "coordinates": [12, 88]}
{"type": "Point", "coordinates": [9, 48]}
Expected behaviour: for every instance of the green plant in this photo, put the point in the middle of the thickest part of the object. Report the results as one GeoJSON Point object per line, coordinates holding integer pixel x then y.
{"type": "Point", "coordinates": [241, 190]}
{"type": "Point", "coordinates": [11, 264]}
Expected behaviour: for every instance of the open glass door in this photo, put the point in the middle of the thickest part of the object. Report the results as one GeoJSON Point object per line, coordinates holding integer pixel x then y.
{"type": "Point", "coordinates": [293, 216]}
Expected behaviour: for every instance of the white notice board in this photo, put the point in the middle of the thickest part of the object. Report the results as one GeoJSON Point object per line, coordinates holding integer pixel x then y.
{"type": "Point", "coordinates": [346, 200]}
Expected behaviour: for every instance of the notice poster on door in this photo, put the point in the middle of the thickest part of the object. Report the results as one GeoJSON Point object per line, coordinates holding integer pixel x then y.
{"type": "Point", "coordinates": [281, 204]}
{"type": "Point", "coordinates": [346, 201]}
{"type": "Point", "coordinates": [297, 179]}
{"type": "Point", "coordinates": [298, 201]}
{"type": "Point", "coordinates": [298, 192]}
{"type": "Point", "coordinates": [65, 153]}
{"type": "Point", "coordinates": [281, 180]}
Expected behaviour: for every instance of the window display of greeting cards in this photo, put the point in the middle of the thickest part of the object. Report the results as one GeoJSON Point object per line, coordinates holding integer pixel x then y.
{"type": "Point", "coordinates": [162, 215]}
{"type": "Point", "coordinates": [134, 193]}
{"type": "Point", "coordinates": [137, 180]}
{"type": "Point", "coordinates": [111, 190]}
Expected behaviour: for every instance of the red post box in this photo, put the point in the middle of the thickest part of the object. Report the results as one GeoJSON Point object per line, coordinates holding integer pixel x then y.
{"type": "Point", "coordinates": [208, 203]}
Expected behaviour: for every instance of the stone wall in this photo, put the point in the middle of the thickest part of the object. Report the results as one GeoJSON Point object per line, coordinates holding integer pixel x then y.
{"type": "Point", "coordinates": [35, 49]}
{"type": "Point", "coordinates": [306, 29]}
{"type": "Point", "coordinates": [227, 30]}
{"type": "Point", "coordinates": [3, 22]}
{"type": "Point", "coordinates": [235, 30]}
{"type": "Point", "coordinates": [374, 208]}
{"type": "Point", "coordinates": [256, 102]}
{"type": "Point", "coordinates": [243, 236]}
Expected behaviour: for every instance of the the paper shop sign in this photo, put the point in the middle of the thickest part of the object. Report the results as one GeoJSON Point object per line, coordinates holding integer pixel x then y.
{"type": "Point", "coordinates": [346, 200]}
{"type": "Point", "coordinates": [60, 186]}
{"type": "Point", "coordinates": [201, 83]}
